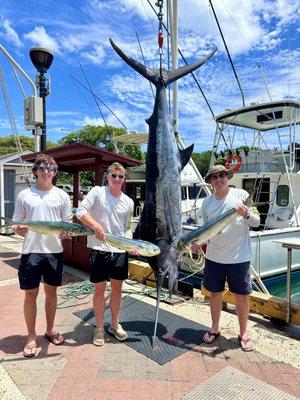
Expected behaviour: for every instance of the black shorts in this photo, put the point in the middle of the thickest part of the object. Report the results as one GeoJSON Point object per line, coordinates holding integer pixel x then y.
{"type": "Point", "coordinates": [238, 277]}
{"type": "Point", "coordinates": [35, 266]}
{"type": "Point", "coordinates": [106, 265]}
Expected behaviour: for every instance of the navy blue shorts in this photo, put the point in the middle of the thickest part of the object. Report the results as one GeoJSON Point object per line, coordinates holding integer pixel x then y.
{"type": "Point", "coordinates": [106, 265]}
{"type": "Point", "coordinates": [238, 277]}
{"type": "Point", "coordinates": [35, 266]}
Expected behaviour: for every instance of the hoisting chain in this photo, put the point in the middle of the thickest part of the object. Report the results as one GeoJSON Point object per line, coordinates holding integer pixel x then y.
{"type": "Point", "coordinates": [160, 37]}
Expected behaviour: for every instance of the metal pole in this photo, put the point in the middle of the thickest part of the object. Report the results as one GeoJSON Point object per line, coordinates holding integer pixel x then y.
{"type": "Point", "coordinates": [43, 94]}
{"type": "Point", "coordinates": [288, 287]}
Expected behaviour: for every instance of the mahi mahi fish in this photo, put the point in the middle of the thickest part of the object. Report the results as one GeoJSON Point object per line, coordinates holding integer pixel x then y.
{"type": "Point", "coordinates": [160, 222]}
{"type": "Point", "coordinates": [212, 227]}
{"type": "Point", "coordinates": [144, 248]}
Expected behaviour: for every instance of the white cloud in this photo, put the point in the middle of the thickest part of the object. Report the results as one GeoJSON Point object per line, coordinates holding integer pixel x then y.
{"type": "Point", "coordinates": [10, 34]}
{"type": "Point", "coordinates": [96, 55]}
{"type": "Point", "coordinates": [40, 37]}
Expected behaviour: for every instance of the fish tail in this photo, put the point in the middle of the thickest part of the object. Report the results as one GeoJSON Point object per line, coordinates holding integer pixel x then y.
{"type": "Point", "coordinates": [168, 76]}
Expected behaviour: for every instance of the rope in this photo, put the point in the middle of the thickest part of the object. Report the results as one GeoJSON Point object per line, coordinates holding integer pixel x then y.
{"type": "Point", "coordinates": [82, 290]}
{"type": "Point", "coordinates": [160, 36]}
{"type": "Point", "coordinates": [13, 126]}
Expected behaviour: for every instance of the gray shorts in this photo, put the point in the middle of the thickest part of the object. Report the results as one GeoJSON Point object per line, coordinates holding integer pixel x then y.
{"type": "Point", "coordinates": [238, 277]}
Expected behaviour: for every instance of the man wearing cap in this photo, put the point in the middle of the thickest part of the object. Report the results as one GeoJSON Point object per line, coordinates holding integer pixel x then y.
{"type": "Point", "coordinates": [228, 254]}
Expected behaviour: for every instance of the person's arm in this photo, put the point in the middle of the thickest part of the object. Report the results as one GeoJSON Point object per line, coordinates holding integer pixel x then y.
{"type": "Point", "coordinates": [83, 214]}
{"type": "Point", "coordinates": [19, 214]}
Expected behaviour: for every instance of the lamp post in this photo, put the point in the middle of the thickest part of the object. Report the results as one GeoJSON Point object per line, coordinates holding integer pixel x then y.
{"type": "Point", "coordinates": [42, 59]}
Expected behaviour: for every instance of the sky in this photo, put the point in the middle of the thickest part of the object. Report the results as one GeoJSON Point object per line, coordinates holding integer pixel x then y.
{"type": "Point", "coordinates": [261, 33]}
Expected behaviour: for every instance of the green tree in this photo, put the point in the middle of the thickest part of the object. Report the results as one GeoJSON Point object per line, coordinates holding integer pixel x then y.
{"type": "Point", "coordinates": [8, 144]}
{"type": "Point", "coordinates": [202, 161]}
{"type": "Point", "coordinates": [101, 136]}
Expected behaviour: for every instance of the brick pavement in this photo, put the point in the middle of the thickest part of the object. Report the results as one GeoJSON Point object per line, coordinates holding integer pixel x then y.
{"type": "Point", "coordinates": [78, 370]}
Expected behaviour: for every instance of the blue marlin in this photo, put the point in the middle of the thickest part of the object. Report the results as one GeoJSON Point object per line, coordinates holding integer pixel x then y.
{"type": "Point", "coordinates": [160, 222]}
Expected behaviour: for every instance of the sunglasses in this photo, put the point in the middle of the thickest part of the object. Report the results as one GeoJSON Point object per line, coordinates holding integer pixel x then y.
{"type": "Point", "coordinates": [217, 176]}
{"type": "Point", "coordinates": [48, 169]}
{"type": "Point", "coordinates": [119, 176]}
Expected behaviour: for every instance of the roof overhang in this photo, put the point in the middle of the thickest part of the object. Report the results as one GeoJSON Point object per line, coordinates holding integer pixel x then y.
{"type": "Point", "coordinates": [263, 116]}
{"type": "Point", "coordinates": [83, 157]}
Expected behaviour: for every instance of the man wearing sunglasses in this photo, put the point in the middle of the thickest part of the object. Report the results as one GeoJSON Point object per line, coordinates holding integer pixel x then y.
{"type": "Point", "coordinates": [228, 254]}
{"type": "Point", "coordinates": [42, 255]}
{"type": "Point", "coordinates": [108, 210]}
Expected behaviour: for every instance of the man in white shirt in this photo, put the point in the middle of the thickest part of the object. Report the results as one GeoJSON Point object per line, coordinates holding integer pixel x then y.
{"type": "Point", "coordinates": [42, 255]}
{"type": "Point", "coordinates": [228, 254]}
{"type": "Point", "coordinates": [108, 210]}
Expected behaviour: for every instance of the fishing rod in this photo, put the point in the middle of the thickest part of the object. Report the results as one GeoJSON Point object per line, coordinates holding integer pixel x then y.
{"type": "Point", "coordinates": [97, 104]}
{"type": "Point", "coordinates": [89, 90]}
{"type": "Point", "coordinates": [141, 50]}
{"type": "Point", "coordinates": [228, 54]}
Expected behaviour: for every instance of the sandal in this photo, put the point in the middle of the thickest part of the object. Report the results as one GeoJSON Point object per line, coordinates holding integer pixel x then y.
{"type": "Point", "coordinates": [244, 344]}
{"type": "Point", "coordinates": [30, 349]}
{"type": "Point", "coordinates": [212, 335]}
{"type": "Point", "coordinates": [57, 339]}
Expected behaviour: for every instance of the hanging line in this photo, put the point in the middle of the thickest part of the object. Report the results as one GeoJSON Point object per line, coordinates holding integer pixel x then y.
{"type": "Point", "coordinates": [14, 127]}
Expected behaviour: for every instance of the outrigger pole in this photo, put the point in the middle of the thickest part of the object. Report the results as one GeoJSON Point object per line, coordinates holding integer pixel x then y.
{"type": "Point", "coordinates": [227, 51]}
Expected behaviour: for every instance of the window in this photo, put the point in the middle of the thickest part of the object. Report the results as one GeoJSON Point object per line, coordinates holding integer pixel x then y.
{"type": "Point", "coordinates": [183, 193]}
{"type": "Point", "coordinates": [282, 198]}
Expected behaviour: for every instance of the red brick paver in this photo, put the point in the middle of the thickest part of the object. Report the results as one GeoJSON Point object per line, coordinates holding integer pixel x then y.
{"type": "Point", "coordinates": [78, 370]}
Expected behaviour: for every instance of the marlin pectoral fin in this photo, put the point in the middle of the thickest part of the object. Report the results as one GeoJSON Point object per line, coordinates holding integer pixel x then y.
{"type": "Point", "coordinates": [185, 155]}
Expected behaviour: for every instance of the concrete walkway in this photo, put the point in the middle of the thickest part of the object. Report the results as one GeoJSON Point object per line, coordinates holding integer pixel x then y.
{"type": "Point", "coordinates": [79, 370]}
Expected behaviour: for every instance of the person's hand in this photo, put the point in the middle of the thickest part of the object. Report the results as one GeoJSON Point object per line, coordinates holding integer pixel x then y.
{"type": "Point", "coordinates": [134, 251]}
{"type": "Point", "coordinates": [21, 230]}
{"type": "Point", "coordinates": [99, 232]}
{"type": "Point", "coordinates": [65, 234]}
{"type": "Point", "coordinates": [242, 210]}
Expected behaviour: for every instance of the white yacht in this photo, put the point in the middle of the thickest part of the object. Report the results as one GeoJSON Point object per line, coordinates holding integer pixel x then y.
{"type": "Point", "coordinates": [269, 159]}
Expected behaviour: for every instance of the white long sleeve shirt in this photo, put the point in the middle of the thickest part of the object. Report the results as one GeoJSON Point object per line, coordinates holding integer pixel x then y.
{"type": "Point", "coordinates": [113, 213]}
{"type": "Point", "coordinates": [232, 245]}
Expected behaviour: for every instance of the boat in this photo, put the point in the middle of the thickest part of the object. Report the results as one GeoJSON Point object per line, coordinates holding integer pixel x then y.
{"type": "Point", "coordinates": [271, 163]}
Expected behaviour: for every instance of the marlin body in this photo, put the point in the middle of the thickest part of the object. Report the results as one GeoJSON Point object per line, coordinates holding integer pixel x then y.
{"type": "Point", "coordinates": [160, 222]}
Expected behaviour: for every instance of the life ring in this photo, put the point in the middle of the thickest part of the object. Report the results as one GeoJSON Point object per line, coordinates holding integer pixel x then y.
{"type": "Point", "coordinates": [233, 163]}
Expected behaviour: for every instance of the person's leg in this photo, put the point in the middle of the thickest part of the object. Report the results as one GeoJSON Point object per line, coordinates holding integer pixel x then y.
{"type": "Point", "coordinates": [240, 283]}
{"type": "Point", "coordinates": [99, 303]}
{"type": "Point", "coordinates": [50, 310]}
{"type": "Point", "coordinates": [52, 273]}
{"type": "Point", "coordinates": [30, 311]}
{"type": "Point", "coordinates": [115, 301]}
{"type": "Point", "coordinates": [214, 281]}
{"type": "Point", "coordinates": [242, 310]}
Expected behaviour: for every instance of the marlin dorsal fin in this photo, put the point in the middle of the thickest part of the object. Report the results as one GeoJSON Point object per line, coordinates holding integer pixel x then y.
{"type": "Point", "coordinates": [185, 154]}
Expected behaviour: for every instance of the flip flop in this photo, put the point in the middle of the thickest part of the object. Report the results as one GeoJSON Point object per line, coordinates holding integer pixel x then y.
{"type": "Point", "coordinates": [30, 349]}
{"type": "Point", "coordinates": [243, 344]}
{"type": "Point", "coordinates": [212, 335]}
{"type": "Point", "coordinates": [57, 339]}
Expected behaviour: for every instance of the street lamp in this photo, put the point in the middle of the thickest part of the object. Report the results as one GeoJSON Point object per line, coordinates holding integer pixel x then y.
{"type": "Point", "coordinates": [42, 59]}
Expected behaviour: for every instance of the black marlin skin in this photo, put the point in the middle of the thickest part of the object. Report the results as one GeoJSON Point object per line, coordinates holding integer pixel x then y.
{"type": "Point", "coordinates": [160, 222]}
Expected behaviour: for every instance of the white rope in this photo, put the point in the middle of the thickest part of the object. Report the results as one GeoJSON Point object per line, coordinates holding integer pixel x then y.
{"type": "Point", "coordinates": [14, 126]}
